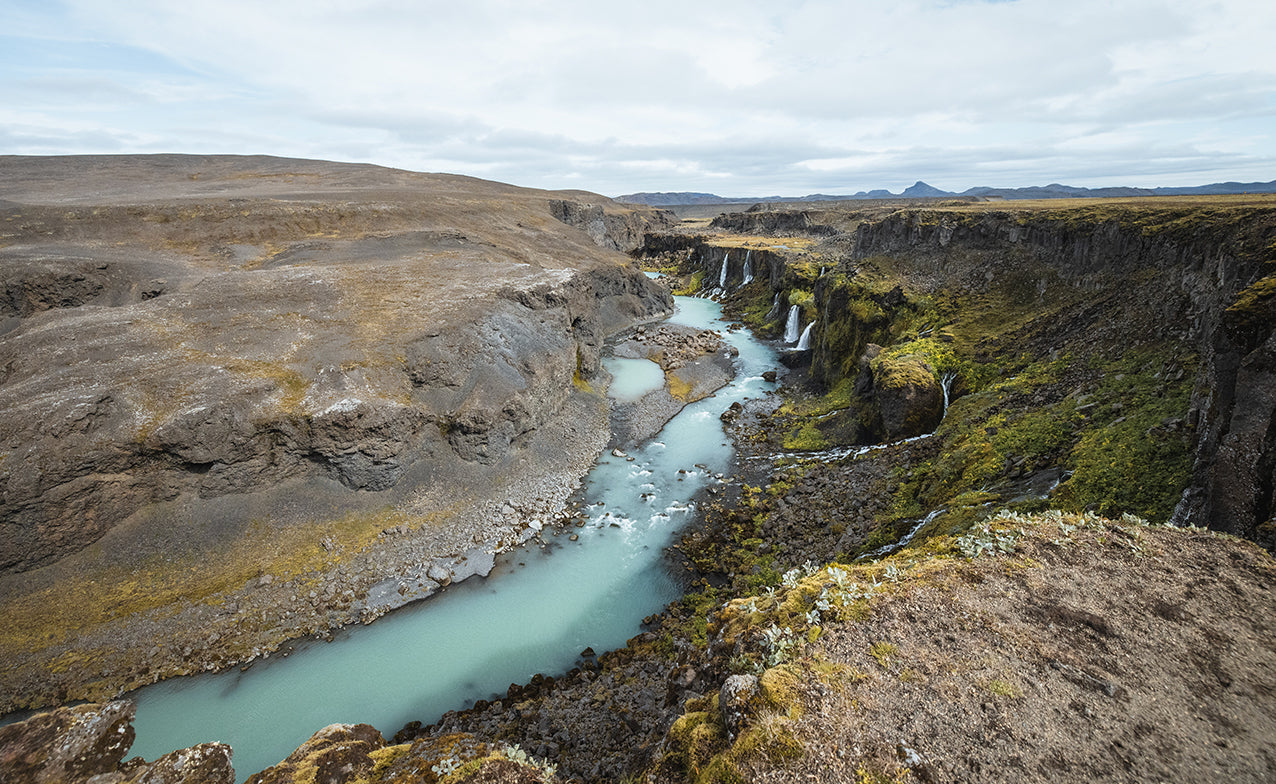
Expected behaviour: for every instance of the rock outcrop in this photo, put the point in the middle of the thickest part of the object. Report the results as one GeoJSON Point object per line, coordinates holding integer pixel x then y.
{"type": "Point", "coordinates": [336, 753]}
{"type": "Point", "coordinates": [616, 230]}
{"type": "Point", "coordinates": [204, 327]}
{"type": "Point", "coordinates": [87, 743]}
{"type": "Point", "coordinates": [1131, 275]}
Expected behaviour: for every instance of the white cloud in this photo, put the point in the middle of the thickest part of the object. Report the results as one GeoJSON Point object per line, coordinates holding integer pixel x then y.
{"type": "Point", "coordinates": [745, 96]}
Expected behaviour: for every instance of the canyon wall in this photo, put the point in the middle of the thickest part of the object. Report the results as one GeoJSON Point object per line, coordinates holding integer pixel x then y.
{"type": "Point", "coordinates": [215, 326]}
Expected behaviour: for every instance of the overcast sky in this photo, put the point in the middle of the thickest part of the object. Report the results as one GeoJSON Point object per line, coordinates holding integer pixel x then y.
{"type": "Point", "coordinates": [737, 98]}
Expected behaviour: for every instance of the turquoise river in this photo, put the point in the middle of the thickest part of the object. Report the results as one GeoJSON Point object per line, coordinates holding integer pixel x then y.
{"type": "Point", "coordinates": [535, 613]}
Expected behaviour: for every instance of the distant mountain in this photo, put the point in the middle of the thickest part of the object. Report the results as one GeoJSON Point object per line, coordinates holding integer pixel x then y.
{"type": "Point", "coordinates": [921, 190]}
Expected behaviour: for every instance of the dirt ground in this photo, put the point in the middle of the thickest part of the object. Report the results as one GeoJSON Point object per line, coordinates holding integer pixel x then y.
{"type": "Point", "coordinates": [1144, 654]}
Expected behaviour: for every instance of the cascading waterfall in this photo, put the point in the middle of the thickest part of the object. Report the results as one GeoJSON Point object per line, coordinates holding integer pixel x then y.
{"type": "Point", "coordinates": [804, 343]}
{"type": "Point", "coordinates": [794, 323]}
{"type": "Point", "coordinates": [722, 276]}
{"type": "Point", "coordinates": [748, 268]}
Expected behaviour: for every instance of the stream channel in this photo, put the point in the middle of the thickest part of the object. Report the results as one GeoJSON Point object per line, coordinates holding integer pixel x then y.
{"type": "Point", "coordinates": [535, 613]}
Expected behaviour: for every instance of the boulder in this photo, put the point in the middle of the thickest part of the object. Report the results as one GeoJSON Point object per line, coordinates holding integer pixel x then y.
{"type": "Point", "coordinates": [67, 744]}
{"type": "Point", "coordinates": [86, 743]}
{"type": "Point", "coordinates": [207, 763]}
{"type": "Point", "coordinates": [909, 397]}
{"type": "Point", "coordinates": [735, 700]}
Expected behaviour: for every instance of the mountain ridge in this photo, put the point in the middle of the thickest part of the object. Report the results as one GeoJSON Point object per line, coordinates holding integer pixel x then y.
{"type": "Point", "coordinates": [921, 189]}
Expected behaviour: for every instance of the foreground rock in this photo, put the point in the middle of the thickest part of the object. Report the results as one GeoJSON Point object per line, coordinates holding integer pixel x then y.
{"type": "Point", "coordinates": [88, 742]}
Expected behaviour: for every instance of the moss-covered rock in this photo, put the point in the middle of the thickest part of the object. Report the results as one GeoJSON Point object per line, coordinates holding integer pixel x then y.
{"type": "Point", "coordinates": [909, 397]}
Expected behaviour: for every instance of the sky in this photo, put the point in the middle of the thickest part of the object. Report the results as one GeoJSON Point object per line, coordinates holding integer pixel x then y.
{"type": "Point", "coordinates": [738, 98]}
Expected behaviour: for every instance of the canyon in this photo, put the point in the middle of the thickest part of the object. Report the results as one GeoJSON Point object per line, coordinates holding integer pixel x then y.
{"type": "Point", "coordinates": [1009, 515]}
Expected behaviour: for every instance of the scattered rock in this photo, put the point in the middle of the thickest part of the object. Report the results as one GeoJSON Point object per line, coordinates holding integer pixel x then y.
{"type": "Point", "coordinates": [439, 573]}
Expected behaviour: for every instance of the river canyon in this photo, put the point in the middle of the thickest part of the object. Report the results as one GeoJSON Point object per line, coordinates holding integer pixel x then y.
{"type": "Point", "coordinates": [868, 472]}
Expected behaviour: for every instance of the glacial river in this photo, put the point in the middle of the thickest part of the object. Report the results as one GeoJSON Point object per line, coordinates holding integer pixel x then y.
{"type": "Point", "coordinates": [535, 613]}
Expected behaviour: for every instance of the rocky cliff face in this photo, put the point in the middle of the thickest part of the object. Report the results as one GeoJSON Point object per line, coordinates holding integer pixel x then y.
{"type": "Point", "coordinates": [215, 326]}
{"type": "Point", "coordinates": [1199, 276]}
{"type": "Point", "coordinates": [621, 230]}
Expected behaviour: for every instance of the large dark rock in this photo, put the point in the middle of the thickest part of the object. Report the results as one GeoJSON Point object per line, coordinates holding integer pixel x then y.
{"type": "Point", "coordinates": [909, 397]}
{"type": "Point", "coordinates": [1234, 482]}
{"type": "Point", "coordinates": [87, 743]}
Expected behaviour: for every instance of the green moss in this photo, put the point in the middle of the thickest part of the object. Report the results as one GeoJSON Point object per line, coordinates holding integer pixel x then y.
{"type": "Point", "coordinates": [883, 652]}
{"type": "Point", "coordinates": [1137, 458]}
{"type": "Point", "coordinates": [1004, 689]}
{"type": "Point", "coordinates": [693, 284]}
{"type": "Point", "coordinates": [806, 437]}
{"type": "Point", "coordinates": [693, 740]}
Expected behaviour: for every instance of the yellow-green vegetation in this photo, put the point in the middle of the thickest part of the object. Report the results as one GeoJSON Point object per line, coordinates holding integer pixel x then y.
{"type": "Point", "coordinates": [771, 627]}
{"type": "Point", "coordinates": [693, 284]}
{"type": "Point", "coordinates": [698, 747]}
{"type": "Point", "coordinates": [883, 652]}
{"type": "Point", "coordinates": [53, 616]}
{"type": "Point", "coordinates": [678, 388]}
{"type": "Point", "coordinates": [1005, 689]}
{"type": "Point", "coordinates": [578, 377]}
{"type": "Point", "coordinates": [759, 242]}
{"type": "Point", "coordinates": [1255, 305]}
{"type": "Point", "coordinates": [818, 419]}
{"type": "Point", "coordinates": [870, 307]}
{"type": "Point", "coordinates": [1112, 443]}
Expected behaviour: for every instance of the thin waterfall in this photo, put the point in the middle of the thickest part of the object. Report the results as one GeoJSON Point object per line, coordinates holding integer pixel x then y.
{"type": "Point", "coordinates": [775, 308]}
{"type": "Point", "coordinates": [794, 324]}
{"type": "Point", "coordinates": [748, 268]}
{"type": "Point", "coordinates": [946, 383]}
{"type": "Point", "coordinates": [804, 342]}
{"type": "Point", "coordinates": [722, 276]}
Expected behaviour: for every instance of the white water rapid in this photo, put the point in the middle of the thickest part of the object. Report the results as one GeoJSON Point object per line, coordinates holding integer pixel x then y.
{"type": "Point", "coordinates": [534, 614]}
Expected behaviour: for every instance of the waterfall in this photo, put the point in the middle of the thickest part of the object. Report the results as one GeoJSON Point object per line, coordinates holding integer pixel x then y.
{"type": "Point", "coordinates": [748, 268]}
{"type": "Point", "coordinates": [775, 309]}
{"type": "Point", "coordinates": [946, 384]}
{"type": "Point", "coordinates": [804, 342]}
{"type": "Point", "coordinates": [793, 325]}
{"type": "Point", "coordinates": [722, 277]}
